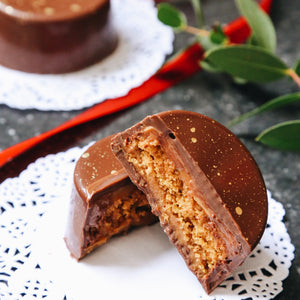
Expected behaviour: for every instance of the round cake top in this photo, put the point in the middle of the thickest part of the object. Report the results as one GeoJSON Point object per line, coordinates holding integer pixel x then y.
{"type": "Point", "coordinates": [228, 165]}
{"type": "Point", "coordinates": [97, 169]}
{"type": "Point", "coordinates": [46, 10]}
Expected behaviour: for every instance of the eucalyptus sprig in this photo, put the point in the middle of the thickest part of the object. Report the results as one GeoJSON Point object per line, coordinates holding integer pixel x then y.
{"type": "Point", "coordinates": [254, 61]}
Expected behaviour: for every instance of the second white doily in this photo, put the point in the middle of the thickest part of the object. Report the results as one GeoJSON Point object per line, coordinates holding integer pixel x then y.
{"type": "Point", "coordinates": [35, 263]}
{"type": "Point", "coordinates": [144, 43]}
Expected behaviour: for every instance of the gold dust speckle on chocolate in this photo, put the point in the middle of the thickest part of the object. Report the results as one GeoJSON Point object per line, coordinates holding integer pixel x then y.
{"type": "Point", "coordinates": [49, 11]}
{"type": "Point", "coordinates": [75, 7]}
{"type": "Point", "coordinates": [238, 210]}
{"type": "Point", "coordinates": [38, 3]}
{"type": "Point", "coordinates": [85, 155]}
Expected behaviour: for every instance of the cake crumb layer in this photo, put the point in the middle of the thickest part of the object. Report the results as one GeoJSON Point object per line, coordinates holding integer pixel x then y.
{"type": "Point", "coordinates": [163, 156]}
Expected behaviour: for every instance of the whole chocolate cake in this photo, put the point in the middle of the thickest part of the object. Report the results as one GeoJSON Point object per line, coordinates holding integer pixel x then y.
{"type": "Point", "coordinates": [104, 201]}
{"type": "Point", "coordinates": [55, 36]}
{"type": "Point", "coordinates": [204, 186]}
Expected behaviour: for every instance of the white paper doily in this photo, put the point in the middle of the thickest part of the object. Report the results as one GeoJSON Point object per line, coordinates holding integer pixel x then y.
{"type": "Point", "coordinates": [34, 262]}
{"type": "Point", "coordinates": [143, 45]}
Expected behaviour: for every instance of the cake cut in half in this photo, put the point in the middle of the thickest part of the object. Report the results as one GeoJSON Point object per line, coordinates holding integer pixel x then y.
{"type": "Point", "coordinates": [104, 201]}
{"type": "Point", "coordinates": [204, 186]}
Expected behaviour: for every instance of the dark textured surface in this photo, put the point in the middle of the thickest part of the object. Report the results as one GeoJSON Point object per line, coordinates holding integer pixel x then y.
{"type": "Point", "coordinates": [213, 95]}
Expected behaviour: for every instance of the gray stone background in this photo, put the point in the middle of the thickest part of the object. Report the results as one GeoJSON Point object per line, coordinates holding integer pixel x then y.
{"type": "Point", "coordinates": [213, 95]}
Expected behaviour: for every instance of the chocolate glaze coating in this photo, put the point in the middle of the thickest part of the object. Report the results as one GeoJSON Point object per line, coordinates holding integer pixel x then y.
{"type": "Point", "coordinates": [97, 176]}
{"type": "Point", "coordinates": [53, 36]}
{"type": "Point", "coordinates": [228, 165]}
{"type": "Point", "coordinates": [222, 170]}
{"type": "Point", "coordinates": [97, 169]}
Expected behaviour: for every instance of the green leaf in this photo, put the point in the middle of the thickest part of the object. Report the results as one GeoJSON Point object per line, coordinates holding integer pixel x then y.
{"type": "Point", "coordinates": [239, 80]}
{"type": "Point", "coordinates": [297, 67]}
{"type": "Point", "coordinates": [251, 41]}
{"type": "Point", "coordinates": [272, 104]}
{"type": "Point", "coordinates": [263, 31]}
{"type": "Point", "coordinates": [217, 35]}
{"type": "Point", "coordinates": [215, 39]}
{"type": "Point", "coordinates": [207, 66]}
{"type": "Point", "coordinates": [171, 16]}
{"type": "Point", "coordinates": [206, 43]}
{"type": "Point", "coordinates": [248, 62]}
{"type": "Point", "coordinates": [283, 136]}
{"type": "Point", "coordinates": [197, 6]}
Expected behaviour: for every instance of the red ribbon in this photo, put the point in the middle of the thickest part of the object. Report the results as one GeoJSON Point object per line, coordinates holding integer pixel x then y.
{"type": "Point", "coordinates": [179, 68]}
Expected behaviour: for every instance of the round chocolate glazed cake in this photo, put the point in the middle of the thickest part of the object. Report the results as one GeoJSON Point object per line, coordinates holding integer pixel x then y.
{"type": "Point", "coordinates": [55, 36]}
{"type": "Point", "coordinates": [104, 201]}
{"type": "Point", "coordinates": [204, 186]}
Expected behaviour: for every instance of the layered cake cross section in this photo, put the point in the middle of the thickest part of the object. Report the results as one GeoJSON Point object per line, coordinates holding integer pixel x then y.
{"type": "Point", "coordinates": [104, 201]}
{"type": "Point", "coordinates": [204, 186]}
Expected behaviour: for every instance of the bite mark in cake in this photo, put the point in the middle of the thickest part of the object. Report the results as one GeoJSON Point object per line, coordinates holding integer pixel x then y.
{"type": "Point", "coordinates": [104, 201]}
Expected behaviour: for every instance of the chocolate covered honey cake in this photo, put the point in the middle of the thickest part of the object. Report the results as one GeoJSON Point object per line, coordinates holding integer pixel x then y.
{"type": "Point", "coordinates": [55, 36]}
{"type": "Point", "coordinates": [104, 201]}
{"type": "Point", "coordinates": [204, 186]}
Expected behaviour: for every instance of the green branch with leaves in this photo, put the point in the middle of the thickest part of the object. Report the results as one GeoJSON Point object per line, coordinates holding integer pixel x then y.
{"type": "Point", "coordinates": [255, 61]}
